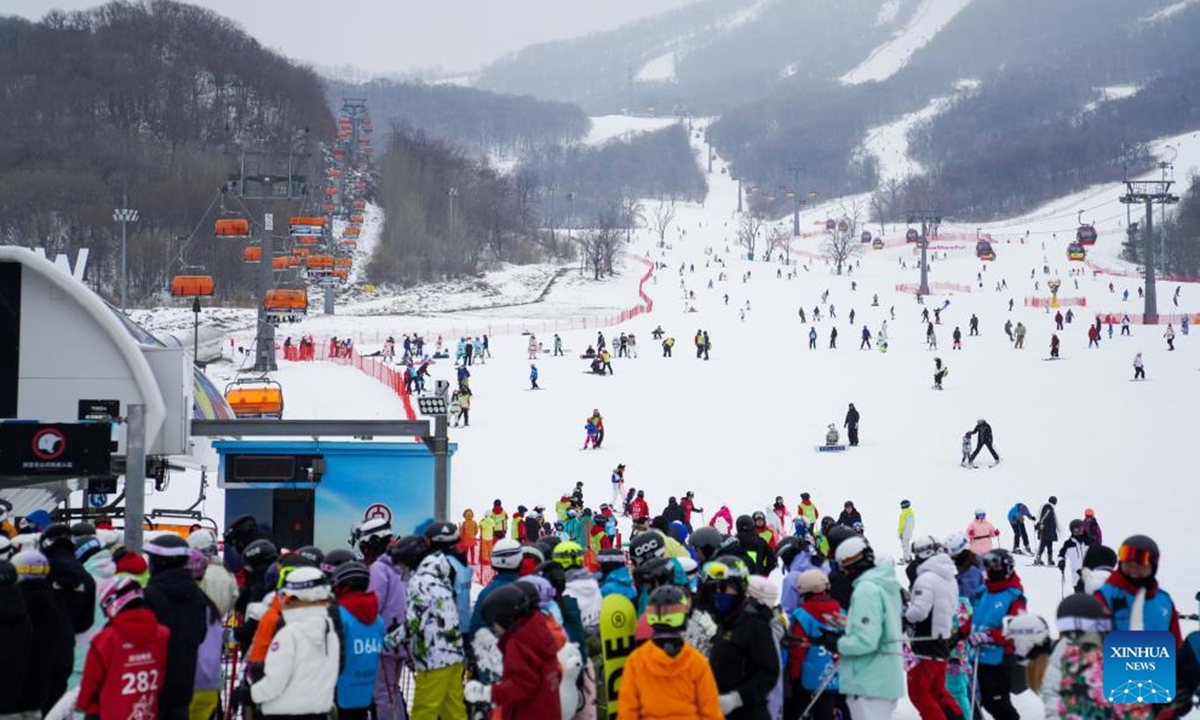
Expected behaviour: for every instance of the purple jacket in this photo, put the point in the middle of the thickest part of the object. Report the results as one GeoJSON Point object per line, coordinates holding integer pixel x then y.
{"type": "Point", "coordinates": [208, 657]}
{"type": "Point", "coordinates": [392, 590]}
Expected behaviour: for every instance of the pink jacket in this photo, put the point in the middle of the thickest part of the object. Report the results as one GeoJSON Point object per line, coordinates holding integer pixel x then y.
{"type": "Point", "coordinates": [980, 533]}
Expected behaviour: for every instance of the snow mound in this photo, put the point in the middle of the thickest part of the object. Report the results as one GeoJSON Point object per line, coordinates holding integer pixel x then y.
{"type": "Point", "coordinates": [1111, 92]}
{"type": "Point", "coordinates": [887, 59]}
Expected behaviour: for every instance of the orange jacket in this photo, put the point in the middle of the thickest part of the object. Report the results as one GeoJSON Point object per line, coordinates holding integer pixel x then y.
{"type": "Point", "coordinates": [655, 685]}
{"type": "Point", "coordinates": [265, 632]}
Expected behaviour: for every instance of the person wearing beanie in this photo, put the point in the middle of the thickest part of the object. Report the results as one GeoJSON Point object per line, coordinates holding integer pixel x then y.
{"type": "Point", "coordinates": [1076, 662]}
{"type": "Point", "coordinates": [1098, 563]}
{"type": "Point", "coordinates": [16, 641]}
{"type": "Point", "coordinates": [764, 595]}
{"type": "Point", "coordinates": [218, 583]}
{"type": "Point", "coordinates": [667, 677]}
{"type": "Point", "coordinates": [1132, 595]}
{"type": "Point", "coordinates": [810, 664]}
{"type": "Point", "coordinates": [72, 584]}
{"type": "Point", "coordinates": [179, 605]}
{"type": "Point", "coordinates": [131, 564]}
{"type": "Point", "coordinates": [615, 578]}
{"type": "Point", "coordinates": [53, 642]}
{"type": "Point", "coordinates": [126, 660]}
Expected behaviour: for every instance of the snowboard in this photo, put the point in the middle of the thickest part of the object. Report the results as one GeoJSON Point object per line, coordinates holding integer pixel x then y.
{"type": "Point", "coordinates": [830, 448]}
{"type": "Point", "coordinates": [618, 622]}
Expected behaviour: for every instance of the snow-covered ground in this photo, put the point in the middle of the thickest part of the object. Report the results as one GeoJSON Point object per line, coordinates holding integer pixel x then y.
{"type": "Point", "coordinates": [1168, 11]}
{"type": "Point", "coordinates": [887, 59]}
{"type": "Point", "coordinates": [658, 69]}
{"type": "Point", "coordinates": [610, 127]}
{"type": "Point", "coordinates": [742, 427]}
{"type": "Point", "coordinates": [741, 17]}
{"type": "Point", "coordinates": [1111, 92]}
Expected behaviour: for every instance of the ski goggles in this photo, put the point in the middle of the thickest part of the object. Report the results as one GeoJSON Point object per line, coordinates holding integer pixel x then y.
{"type": "Point", "coordinates": [674, 617]}
{"type": "Point", "coordinates": [719, 571]}
{"type": "Point", "coordinates": [1138, 556]}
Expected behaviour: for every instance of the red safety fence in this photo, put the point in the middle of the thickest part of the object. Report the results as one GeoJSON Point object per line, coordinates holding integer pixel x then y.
{"type": "Point", "coordinates": [1098, 269]}
{"type": "Point", "coordinates": [1140, 319]}
{"type": "Point", "coordinates": [391, 377]}
{"type": "Point", "coordinates": [934, 287]}
{"type": "Point", "coordinates": [1038, 302]}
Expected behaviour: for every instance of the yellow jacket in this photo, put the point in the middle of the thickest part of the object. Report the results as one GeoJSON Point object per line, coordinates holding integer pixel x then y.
{"type": "Point", "coordinates": [907, 520]}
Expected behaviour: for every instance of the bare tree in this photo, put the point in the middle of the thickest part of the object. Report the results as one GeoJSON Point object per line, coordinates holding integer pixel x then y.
{"type": "Point", "coordinates": [664, 215]}
{"type": "Point", "coordinates": [780, 240]}
{"type": "Point", "coordinates": [749, 232]}
{"type": "Point", "coordinates": [599, 244]}
{"type": "Point", "coordinates": [633, 212]}
{"type": "Point", "coordinates": [885, 202]}
{"type": "Point", "coordinates": [842, 243]}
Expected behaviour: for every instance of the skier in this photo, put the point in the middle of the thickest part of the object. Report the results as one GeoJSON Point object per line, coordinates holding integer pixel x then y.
{"type": "Point", "coordinates": [812, 338]}
{"type": "Point", "coordinates": [434, 638]}
{"type": "Point", "coordinates": [1139, 367]}
{"type": "Point", "coordinates": [930, 338]}
{"type": "Point", "coordinates": [1125, 325]}
{"type": "Point", "coordinates": [1058, 320]}
{"type": "Point", "coordinates": [618, 484]}
{"type": "Point", "coordinates": [981, 532]}
{"type": "Point", "coordinates": [866, 339]}
{"type": "Point", "coordinates": [1020, 334]}
{"type": "Point", "coordinates": [1008, 329]}
{"type": "Point", "coordinates": [849, 515]}
{"type": "Point", "coordinates": [851, 425]}
{"type": "Point", "coordinates": [833, 338]}
{"type": "Point", "coordinates": [905, 530]}
{"type": "Point", "coordinates": [1091, 528]}
{"type": "Point", "coordinates": [1170, 336]}
{"type": "Point", "coordinates": [957, 336]}
{"type": "Point", "coordinates": [930, 614]}
{"type": "Point", "coordinates": [667, 344]}
{"type": "Point", "coordinates": [1072, 553]}
{"type": "Point", "coordinates": [973, 328]}
{"type": "Point", "coordinates": [744, 659]}
{"type": "Point", "coordinates": [558, 345]}
{"type": "Point", "coordinates": [810, 663]}
{"type": "Point", "coordinates": [940, 372]}
{"type": "Point", "coordinates": [1003, 597]}
{"type": "Point", "coordinates": [1132, 593]}
{"type": "Point", "coordinates": [1054, 346]}
{"type": "Point", "coordinates": [176, 600]}
{"type": "Point", "coordinates": [533, 377]}
{"type": "Point", "coordinates": [984, 431]}
{"type": "Point", "coordinates": [1016, 520]}
{"type": "Point", "coordinates": [362, 631]}
{"type": "Point", "coordinates": [871, 672]}
{"type": "Point", "coordinates": [966, 451]}
{"type": "Point", "coordinates": [1047, 531]}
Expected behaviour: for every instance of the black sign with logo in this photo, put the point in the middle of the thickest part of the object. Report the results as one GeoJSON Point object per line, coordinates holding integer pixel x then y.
{"type": "Point", "coordinates": [55, 450]}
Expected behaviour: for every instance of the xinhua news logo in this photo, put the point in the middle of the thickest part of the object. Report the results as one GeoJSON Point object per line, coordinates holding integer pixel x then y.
{"type": "Point", "coordinates": [1139, 666]}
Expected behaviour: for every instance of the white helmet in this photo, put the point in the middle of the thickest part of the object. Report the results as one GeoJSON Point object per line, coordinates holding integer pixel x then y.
{"type": "Point", "coordinates": [204, 541]}
{"type": "Point", "coordinates": [1026, 631]}
{"type": "Point", "coordinates": [506, 554]}
{"type": "Point", "coordinates": [371, 529]}
{"type": "Point", "coordinates": [957, 543]}
{"type": "Point", "coordinates": [851, 550]}
{"type": "Point", "coordinates": [926, 547]}
{"type": "Point", "coordinates": [306, 583]}
{"type": "Point", "coordinates": [812, 581]}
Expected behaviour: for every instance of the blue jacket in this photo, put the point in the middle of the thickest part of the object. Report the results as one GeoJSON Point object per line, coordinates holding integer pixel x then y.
{"type": "Point", "coordinates": [790, 599]}
{"type": "Point", "coordinates": [463, 577]}
{"type": "Point", "coordinates": [1158, 612]}
{"type": "Point", "coordinates": [361, 646]}
{"type": "Point", "coordinates": [970, 581]}
{"type": "Point", "coordinates": [502, 578]}
{"type": "Point", "coordinates": [1019, 512]}
{"type": "Point", "coordinates": [619, 582]}
{"type": "Point", "coordinates": [817, 660]}
{"type": "Point", "coordinates": [988, 616]}
{"type": "Point", "coordinates": [533, 374]}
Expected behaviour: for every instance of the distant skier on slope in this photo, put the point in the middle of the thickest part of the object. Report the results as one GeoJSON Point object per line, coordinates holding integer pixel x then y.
{"type": "Point", "coordinates": [940, 371]}
{"type": "Point", "coordinates": [984, 432]}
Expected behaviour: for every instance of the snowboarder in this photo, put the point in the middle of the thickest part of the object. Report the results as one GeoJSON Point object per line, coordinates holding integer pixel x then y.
{"type": "Point", "coordinates": [851, 425]}
{"type": "Point", "coordinates": [940, 372]}
{"type": "Point", "coordinates": [558, 348]}
{"type": "Point", "coordinates": [1170, 336]}
{"type": "Point", "coordinates": [533, 377]}
{"type": "Point", "coordinates": [905, 529]}
{"type": "Point", "coordinates": [1139, 368]}
{"type": "Point", "coordinates": [973, 328]}
{"type": "Point", "coordinates": [1054, 346]}
{"type": "Point", "coordinates": [833, 338]}
{"type": "Point", "coordinates": [984, 431]}
{"type": "Point", "coordinates": [812, 338]}
{"type": "Point", "coordinates": [1020, 333]}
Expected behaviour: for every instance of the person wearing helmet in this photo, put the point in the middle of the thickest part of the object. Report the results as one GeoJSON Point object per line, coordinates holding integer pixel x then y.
{"type": "Point", "coordinates": [704, 543]}
{"type": "Point", "coordinates": [506, 561]}
{"type": "Point", "coordinates": [443, 537]}
{"type": "Point", "coordinates": [808, 510]}
{"type": "Point", "coordinates": [218, 583]}
{"type": "Point", "coordinates": [529, 685]}
{"type": "Point", "coordinates": [667, 677]}
{"type": "Point", "coordinates": [500, 520]}
{"type": "Point", "coordinates": [132, 645]}
{"type": "Point", "coordinates": [615, 578]}
{"type": "Point", "coordinates": [179, 605]}
{"type": "Point", "coordinates": [389, 584]}
{"type": "Point", "coordinates": [52, 642]}
{"type": "Point", "coordinates": [257, 559]}
{"type": "Point", "coordinates": [1003, 597]}
{"type": "Point", "coordinates": [967, 564]}
{"type": "Point", "coordinates": [871, 673]}
{"type": "Point", "coordinates": [761, 559]}
{"type": "Point", "coordinates": [362, 639]}
{"type": "Point", "coordinates": [743, 656]}
{"type": "Point", "coordinates": [796, 556]}
{"type": "Point", "coordinates": [930, 614]}
{"type": "Point", "coordinates": [1082, 623]}
{"type": "Point", "coordinates": [689, 506]}
{"type": "Point", "coordinates": [301, 670]}
{"type": "Point", "coordinates": [1091, 528]}
{"type": "Point", "coordinates": [1072, 552]}
{"type": "Point", "coordinates": [815, 615]}
{"type": "Point", "coordinates": [765, 531]}
{"type": "Point", "coordinates": [1017, 515]}
{"type": "Point", "coordinates": [981, 533]}
{"type": "Point", "coordinates": [905, 530]}
{"type": "Point", "coordinates": [1134, 587]}
{"type": "Point", "coordinates": [434, 633]}
{"type": "Point", "coordinates": [581, 584]}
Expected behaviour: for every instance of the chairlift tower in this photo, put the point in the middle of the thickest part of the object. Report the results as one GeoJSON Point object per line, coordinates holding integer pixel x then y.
{"type": "Point", "coordinates": [1150, 192]}
{"type": "Point", "coordinates": [267, 178]}
{"type": "Point", "coordinates": [929, 224]}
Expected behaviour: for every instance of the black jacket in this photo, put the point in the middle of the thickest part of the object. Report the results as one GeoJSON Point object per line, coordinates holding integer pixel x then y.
{"type": "Point", "coordinates": [74, 588]}
{"type": "Point", "coordinates": [760, 558]}
{"type": "Point", "coordinates": [745, 659]}
{"type": "Point", "coordinates": [179, 604]}
{"type": "Point", "coordinates": [1047, 523]}
{"type": "Point", "coordinates": [849, 517]}
{"type": "Point", "coordinates": [673, 511]}
{"type": "Point", "coordinates": [53, 653]}
{"type": "Point", "coordinates": [16, 646]}
{"type": "Point", "coordinates": [851, 418]}
{"type": "Point", "coordinates": [984, 431]}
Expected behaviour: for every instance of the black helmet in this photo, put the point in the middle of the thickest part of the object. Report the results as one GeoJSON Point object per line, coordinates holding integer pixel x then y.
{"type": "Point", "coordinates": [1082, 612]}
{"type": "Point", "coordinates": [645, 546]}
{"type": "Point", "coordinates": [705, 542]}
{"type": "Point", "coordinates": [507, 604]}
{"type": "Point", "coordinates": [442, 535]}
{"type": "Point", "coordinates": [653, 573]}
{"type": "Point", "coordinates": [238, 529]}
{"type": "Point", "coordinates": [610, 559]}
{"type": "Point", "coordinates": [998, 564]}
{"type": "Point", "coordinates": [312, 554]}
{"type": "Point", "coordinates": [57, 536]}
{"type": "Point", "coordinates": [744, 524]}
{"type": "Point", "coordinates": [788, 549]}
{"type": "Point", "coordinates": [259, 553]}
{"type": "Point", "coordinates": [826, 523]}
{"type": "Point", "coordinates": [1099, 556]}
{"type": "Point", "coordinates": [759, 515]}
{"type": "Point", "coordinates": [554, 574]}
{"type": "Point", "coordinates": [352, 575]}
{"type": "Point", "coordinates": [409, 551]}
{"type": "Point", "coordinates": [546, 545]}
{"type": "Point", "coordinates": [1139, 549]}
{"type": "Point", "coordinates": [334, 559]}
{"type": "Point", "coordinates": [83, 530]}
{"type": "Point", "coordinates": [166, 552]}
{"type": "Point", "coordinates": [667, 610]}
{"type": "Point", "coordinates": [836, 534]}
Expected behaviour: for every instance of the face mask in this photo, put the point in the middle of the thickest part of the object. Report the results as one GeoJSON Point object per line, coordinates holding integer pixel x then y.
{"type": "Point", "coordinates": [725, 604]}
{"type": "Point", "coordinates": [995, 575]}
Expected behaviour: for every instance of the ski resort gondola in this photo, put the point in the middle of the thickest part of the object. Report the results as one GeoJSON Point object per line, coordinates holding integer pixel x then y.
{"type": "Point", "coordinates": [877, 243]}
{"type": "Point", "coordinates": [865, 237]}
{"type": "Point", "coordinates": [912, 236]}
{"type": "Point", "coordinates": [1076, 252]}
{"type": "Point", "coordinates": [1085, 234]}
{"type": "Point", "coordinates": [983, 250]}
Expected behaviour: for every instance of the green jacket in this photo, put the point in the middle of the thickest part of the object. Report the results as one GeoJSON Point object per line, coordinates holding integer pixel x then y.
{"type": "Point", "coordinates": [870, 650]}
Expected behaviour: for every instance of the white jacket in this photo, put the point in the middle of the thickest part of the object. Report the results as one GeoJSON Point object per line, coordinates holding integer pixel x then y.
{"type": "Point", "coordinates": [1073, 551]}
{"type": "Point", "coordinates": [582, 586]}
{"type": "Point", "coordinates": [301, 670]}
{"type": "Point", "coordinates": [934, 596]}
{"type": "Point", "coordinates": [220, 586]}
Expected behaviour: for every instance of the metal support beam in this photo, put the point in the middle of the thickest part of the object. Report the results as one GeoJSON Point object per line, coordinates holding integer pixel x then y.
{"type": "Point", "coordinates": [135, 476]}
{"type": "Point", "coordinates": [1150, 192]}
{"type": "Point", "coordinates": [929, 224]}
{"type": "Point", "coordinates": [441, 467]}
{"type": "Point", "coordinates": [309, 428]}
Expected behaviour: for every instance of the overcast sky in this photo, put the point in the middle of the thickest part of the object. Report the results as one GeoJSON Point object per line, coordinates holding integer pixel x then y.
{"type": "Point", "coordinates": [394, 36]}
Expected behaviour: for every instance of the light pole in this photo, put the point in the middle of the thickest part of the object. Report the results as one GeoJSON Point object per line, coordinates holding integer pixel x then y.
{"type": "Point", "coordinates": [453, 193]}
{"type": "Point", "coordinates": [124, 216]}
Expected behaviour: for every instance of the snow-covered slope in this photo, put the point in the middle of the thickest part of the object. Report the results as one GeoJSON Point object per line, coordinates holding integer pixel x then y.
{"type": "Point", "coordinates": [1168, 11]}
{"type": "Point", "coordinates": [887, 59]}
{"type": "Point", "coordinates": [658, 69]}
{"type": "Point", "coordinates": [610, 127]}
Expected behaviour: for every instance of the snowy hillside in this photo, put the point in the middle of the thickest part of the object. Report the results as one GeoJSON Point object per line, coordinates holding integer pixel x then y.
{"type": "Point", "coordinates": [887, 59]}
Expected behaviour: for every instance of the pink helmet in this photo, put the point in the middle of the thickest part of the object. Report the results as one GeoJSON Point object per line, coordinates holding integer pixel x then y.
{"type": "Point", "coordinates": [123, 591]}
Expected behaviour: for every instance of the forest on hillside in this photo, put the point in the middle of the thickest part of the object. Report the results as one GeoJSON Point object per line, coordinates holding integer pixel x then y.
{"type": "Point", "coordinates": [148, 101]}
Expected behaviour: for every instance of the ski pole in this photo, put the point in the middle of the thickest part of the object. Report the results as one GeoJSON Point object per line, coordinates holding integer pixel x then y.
{"type": "Point", "coordinates": [826, 679]}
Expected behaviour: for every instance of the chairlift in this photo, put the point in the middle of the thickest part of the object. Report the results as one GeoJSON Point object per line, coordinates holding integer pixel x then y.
{"type": "Point", "coordinates": [1076, 252]}
{"type": "Point", "coordinates": [830, 224]}
{"type": "Point", "coordinates": [1086, 233]}
{"type": "Point", "coordinates": [192, 286]}
{"type": "Point", "coordinates": [865, 237]}
{"type": "Point", "coordinates": [233, 228]}
{"type": "Point", "coordinates": [255, 398]}
{"type": "Point", "coordinates": [252, 254]}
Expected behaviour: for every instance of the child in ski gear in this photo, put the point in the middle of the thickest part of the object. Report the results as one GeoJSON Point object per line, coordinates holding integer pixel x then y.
{"type": "Point", "coordinates": [362, 633]}
{"type": "Point", "coordinates": [810, 665]}
{"type": "Point", "coordinates": [533, 377]}
{"type": "Point", "coordinates": [591, 438]}
{"type": "Point", "coordinates": [981, 532]}
{"type": "Point", "coordinates": [966, 450]}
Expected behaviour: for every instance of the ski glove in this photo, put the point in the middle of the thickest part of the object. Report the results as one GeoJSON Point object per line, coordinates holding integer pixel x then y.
{"type": "Point", "coordinates": [979, 638]}
{"type": "Point", "coordinates": [476, 692]}
{"type": "Point", "coordinates": [729, 702]}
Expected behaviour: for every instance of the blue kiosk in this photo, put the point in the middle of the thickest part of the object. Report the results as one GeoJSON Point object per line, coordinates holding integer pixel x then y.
{"type": "Point", "coordinates": [314, 492]}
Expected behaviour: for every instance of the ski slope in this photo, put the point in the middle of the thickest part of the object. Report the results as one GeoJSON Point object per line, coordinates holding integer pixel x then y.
{"type": "Point", "coordinates": [610, 127]}
{"type": "Point", "coordinates": [887, 59]}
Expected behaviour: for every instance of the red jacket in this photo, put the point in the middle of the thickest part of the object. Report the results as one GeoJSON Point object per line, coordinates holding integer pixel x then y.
{"type": "Point", "coordinates": [639, 509]}
{"type": "Point", "coordinates": [529, 688]}
{"type": "Point", "coordinates": [125, 666]}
